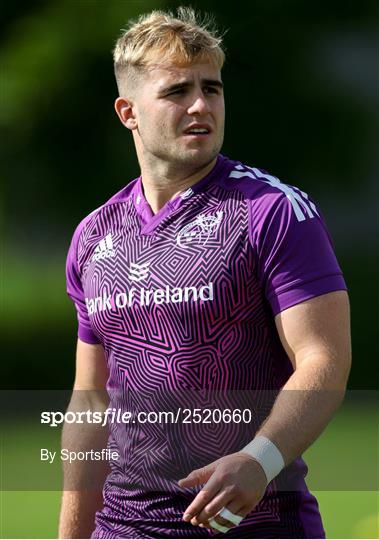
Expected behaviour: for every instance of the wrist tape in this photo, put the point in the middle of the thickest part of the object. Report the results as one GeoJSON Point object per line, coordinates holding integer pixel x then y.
{"type": "Point", "coordinates": [267, 455]}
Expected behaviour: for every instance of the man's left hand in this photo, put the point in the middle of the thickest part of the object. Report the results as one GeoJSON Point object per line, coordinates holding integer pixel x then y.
{"type": "Point", "coordinates": [235, 482]}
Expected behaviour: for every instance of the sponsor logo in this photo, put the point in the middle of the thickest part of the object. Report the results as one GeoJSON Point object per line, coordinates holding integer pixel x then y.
{"type": "Point", "coordinates": [138, 272]}
{"type": "Point", "coordinates": [104, 249]}
{"type": "Point", "coordinates": [200, 229]}
{"type": "Point", "coordinates": [146, 297]}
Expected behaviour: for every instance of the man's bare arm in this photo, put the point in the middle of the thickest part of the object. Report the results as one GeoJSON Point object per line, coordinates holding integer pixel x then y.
{"type": "Point", "coordinates": [316, 337]}
{"type": "Point", "coordinates": [82, 495]}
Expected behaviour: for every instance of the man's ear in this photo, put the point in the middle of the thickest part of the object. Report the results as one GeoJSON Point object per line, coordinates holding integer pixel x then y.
{"type": "Point", "coordinates": [124, 110]}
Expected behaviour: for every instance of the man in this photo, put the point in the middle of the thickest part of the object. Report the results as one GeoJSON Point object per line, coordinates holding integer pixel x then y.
{"type": "Point", "coordinates": [203, 282]}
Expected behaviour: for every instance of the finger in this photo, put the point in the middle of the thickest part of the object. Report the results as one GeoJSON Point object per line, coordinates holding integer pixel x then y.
{"type": "Point", "coordinates": [241, 512]}
{"type": "Point", "coordinates": [231, 515]}
{"type": "Point", "coordinates": [216, 527]}
{"type": "Point", "coordinates": [220, 524]}
{"type": "Point", "coordinates": [233, 506]}
{"type": "Point", "coordinates": [236, 506]}
{"type": "Point", "coordinates": [198, 476]}
{"type": "Point", "coordinates": [221, 499]}
{"type": "Point", "coordinates": [202, 498]}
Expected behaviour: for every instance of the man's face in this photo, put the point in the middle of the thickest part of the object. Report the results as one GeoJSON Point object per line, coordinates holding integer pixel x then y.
{"type": "Point", "coordinates": [173, 101]}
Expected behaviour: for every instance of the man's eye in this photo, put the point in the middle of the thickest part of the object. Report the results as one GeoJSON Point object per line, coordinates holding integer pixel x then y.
{"type": "Point", "coordinates": [179, 91]}
{"type": "Point", "coordinates": [210, 90]}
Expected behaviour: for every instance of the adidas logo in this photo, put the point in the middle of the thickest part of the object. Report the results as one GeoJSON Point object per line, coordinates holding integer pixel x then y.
{"type": "Point", "coordinates": [104, 249]}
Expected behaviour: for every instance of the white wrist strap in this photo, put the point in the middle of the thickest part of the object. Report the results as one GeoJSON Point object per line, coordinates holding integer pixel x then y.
{"type": "Point", "coordinates": [267, 455]}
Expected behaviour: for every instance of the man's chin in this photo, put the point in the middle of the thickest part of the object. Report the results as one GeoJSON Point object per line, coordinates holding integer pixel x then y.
{"type": "Point", "coordinates": [197, 156]}
{"type": "Point", "coordinates": [193, 164]}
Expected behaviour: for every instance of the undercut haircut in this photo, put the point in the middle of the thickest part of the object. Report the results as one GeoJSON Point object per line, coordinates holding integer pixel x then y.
{"type": "Point", "coordinates": [161, 38]}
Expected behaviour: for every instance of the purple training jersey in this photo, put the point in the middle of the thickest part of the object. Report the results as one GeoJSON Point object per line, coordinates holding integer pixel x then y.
{"type": "Point", "coordinates": [183, 303]}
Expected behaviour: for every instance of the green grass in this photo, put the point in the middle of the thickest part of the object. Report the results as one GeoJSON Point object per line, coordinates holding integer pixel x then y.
{"type": "Point", "coordinates": [349, 514]}
{"type": "Point", "coordinates": [29, 514]}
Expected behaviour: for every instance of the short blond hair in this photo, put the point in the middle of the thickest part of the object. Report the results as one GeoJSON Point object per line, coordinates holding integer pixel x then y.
{"type": "Point", "coordinates": [160, 37]}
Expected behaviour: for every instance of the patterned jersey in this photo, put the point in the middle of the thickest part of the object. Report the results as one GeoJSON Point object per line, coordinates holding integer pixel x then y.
{"type": "Point", "coordinates": [183, 302]}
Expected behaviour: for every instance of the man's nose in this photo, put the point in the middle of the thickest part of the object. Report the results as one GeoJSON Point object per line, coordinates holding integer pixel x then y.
{"type": "Point", "coordinates": [199, 105]}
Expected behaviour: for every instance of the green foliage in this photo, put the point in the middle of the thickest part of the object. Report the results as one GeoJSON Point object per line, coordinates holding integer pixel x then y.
{"type": "Point", "coordinates": [301, 103]}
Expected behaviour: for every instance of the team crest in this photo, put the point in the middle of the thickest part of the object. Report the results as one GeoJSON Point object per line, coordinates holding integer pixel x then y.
{"type": "Point", "coordinates": [200, 229]}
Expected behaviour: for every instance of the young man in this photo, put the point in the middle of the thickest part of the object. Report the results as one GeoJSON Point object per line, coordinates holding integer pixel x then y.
{"type": "Point", "coordinates": [202, 284]}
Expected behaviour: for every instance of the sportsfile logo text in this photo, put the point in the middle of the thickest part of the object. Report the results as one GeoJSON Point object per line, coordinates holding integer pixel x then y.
{"type": "Point", "coordinates": [145, 297]}
{"type": "Point", "coordinates": [119, 416]}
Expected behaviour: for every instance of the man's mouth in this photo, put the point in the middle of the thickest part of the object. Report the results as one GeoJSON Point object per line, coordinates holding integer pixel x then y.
{"type": "Point", "coordinates": [198, 131]}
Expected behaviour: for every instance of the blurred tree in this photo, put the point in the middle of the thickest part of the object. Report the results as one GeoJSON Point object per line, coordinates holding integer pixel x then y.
{"type": "Point", "coordinates": [301, 92]}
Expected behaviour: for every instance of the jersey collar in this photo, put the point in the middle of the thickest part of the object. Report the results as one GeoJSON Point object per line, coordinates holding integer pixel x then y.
{"type": "Point", "coordinates": [150, 221]}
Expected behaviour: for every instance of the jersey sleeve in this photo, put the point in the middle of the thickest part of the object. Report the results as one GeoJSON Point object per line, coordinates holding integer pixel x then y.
{"type": "Point", "coordinates": [76, 293]}
{"type": "Point", "coordinates": [294, 251]}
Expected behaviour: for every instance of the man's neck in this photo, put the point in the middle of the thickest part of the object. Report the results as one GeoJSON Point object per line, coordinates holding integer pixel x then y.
{"type": "Point", "coordinates": [162, 185]}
